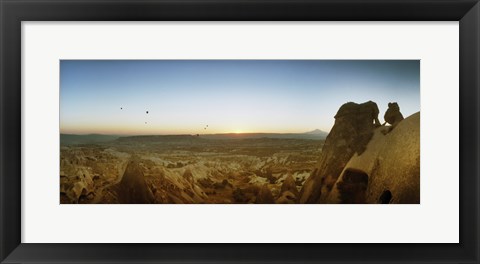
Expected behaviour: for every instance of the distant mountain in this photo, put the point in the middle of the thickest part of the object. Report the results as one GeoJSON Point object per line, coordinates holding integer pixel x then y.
{"type": "Point", "coordinates": [70, 139]}
{"type": "Point", "coordinates": [317, 132]}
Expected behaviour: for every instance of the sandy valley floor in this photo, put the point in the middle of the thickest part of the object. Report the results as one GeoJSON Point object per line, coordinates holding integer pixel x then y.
{"type": "Point", "coordinates": [186, 169]}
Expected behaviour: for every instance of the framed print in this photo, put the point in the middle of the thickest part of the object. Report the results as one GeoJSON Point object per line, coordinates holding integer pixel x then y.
{"type": "Point", "coordinates": [243, 160]}
{"type": "Point", "coordinates": [202, 131]}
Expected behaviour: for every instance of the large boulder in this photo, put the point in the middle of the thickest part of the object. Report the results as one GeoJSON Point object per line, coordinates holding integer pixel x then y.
{"type": "Point", "coordinates": [388, 171]}
{"type": "Point", "coordinates": [289, 185]}
{"type": "Point", "coordinates": [353, 129]}
{"type": "Point", "coordinates": [265, 196]}
{"type": "Point", "coordinates": [393, 115]}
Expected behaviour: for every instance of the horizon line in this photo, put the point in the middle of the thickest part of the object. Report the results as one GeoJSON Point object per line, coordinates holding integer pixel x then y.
{"type": "Point", "coordinates": [189, 134]}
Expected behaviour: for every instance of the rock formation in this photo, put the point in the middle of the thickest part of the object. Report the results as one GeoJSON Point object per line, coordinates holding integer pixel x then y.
{"type": "Point", "coordinates": [265, 196]}
{"type": "Point", "coordinates": [288, 191]}
{"type": "Point", "coordinates": [388, 171]}
{"type": "Point", "coordinates": [393, 115]}
{"type": "Point", "coordinates": [76, 188]}
{"type": "Point", "coordinates": [353, 129]}
{"type": "Point", "coordinates": [360, 163]}
{"type": "Point", "coordinates": [290, 185]}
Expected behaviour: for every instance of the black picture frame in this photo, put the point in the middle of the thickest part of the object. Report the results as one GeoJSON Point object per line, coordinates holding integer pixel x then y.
{"type": "Point", "coordinates": [13, 12]}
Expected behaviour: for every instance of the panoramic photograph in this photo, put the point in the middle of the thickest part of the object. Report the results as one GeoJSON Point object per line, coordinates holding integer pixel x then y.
{"type": "Point", "coordinates": [239, 132]}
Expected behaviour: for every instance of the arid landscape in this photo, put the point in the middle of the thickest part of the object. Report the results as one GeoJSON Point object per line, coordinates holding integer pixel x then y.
{"type": "Point", "coordinates": [186, 169]}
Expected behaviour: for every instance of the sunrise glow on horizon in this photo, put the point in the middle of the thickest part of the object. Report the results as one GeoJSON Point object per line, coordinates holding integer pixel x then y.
{"type": "Point", "coordinates": [226, 96]}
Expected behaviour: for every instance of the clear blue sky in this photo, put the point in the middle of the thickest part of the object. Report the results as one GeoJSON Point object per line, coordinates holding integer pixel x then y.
{"type": "Point", "coordinates": [184, 96]}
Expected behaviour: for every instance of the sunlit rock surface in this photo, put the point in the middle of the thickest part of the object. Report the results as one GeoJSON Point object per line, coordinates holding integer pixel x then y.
{"type": "Point", "coordinates": [388, 171]}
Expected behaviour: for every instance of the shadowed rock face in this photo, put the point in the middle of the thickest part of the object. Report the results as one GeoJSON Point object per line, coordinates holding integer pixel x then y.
{"type": "Point", "coordinates": [353, 129]}
{"type": "Point", "coordinates": [353, 187]}
{"type": "Point", "coordinates": [133, 189]}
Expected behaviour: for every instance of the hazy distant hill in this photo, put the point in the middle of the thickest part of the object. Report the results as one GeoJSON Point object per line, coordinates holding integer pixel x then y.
{"type": "Point", "coordinates": [69, 139]}
{"type": "Point", "coordinates": [159, 138]}
{"type": "Point", "coordinates": [316, 134]}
